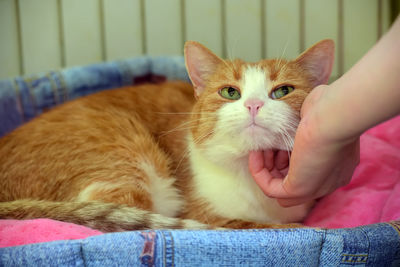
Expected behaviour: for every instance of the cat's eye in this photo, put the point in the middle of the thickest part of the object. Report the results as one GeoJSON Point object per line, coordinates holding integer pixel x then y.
{"type": "Point", "coordinates": [230, 93]}
{"type": "Point", "coordinates": [281, 91]}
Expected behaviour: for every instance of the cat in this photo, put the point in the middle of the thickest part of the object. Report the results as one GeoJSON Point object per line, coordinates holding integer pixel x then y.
{"type": "Point", "coordinates": [157, 155]}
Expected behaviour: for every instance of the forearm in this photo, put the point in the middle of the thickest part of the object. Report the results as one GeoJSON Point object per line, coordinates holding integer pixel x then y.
{"type": "Point", "coordinates": [369, 92]}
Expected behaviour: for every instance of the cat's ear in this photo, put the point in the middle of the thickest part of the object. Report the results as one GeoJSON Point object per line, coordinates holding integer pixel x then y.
{"type": "Point", "coordinates": [200, 64]}
{"type": "Point", "coordinates": [318, 61]}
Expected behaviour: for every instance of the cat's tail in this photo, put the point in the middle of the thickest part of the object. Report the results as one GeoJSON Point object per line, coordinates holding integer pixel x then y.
{"type": "Point", "coordinates": [105, 217]}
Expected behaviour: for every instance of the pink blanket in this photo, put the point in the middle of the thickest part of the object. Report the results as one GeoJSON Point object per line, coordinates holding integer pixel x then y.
{"type": "Point", "coordinates": [372, 196]}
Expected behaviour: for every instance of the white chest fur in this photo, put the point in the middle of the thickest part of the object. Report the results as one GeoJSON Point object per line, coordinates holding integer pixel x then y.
{"type": "Point", "coordinates": [232, 193]}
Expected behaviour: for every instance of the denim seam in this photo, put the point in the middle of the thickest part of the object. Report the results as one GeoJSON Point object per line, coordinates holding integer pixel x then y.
{"type": "Point", "coordinates": [126, 76]}
{"type": "Point", "coordinates": [395, 225]}
{"type": "Point", "coordinates": [168, 255]}
{"type": "Point", "coordinates": [53, 88]}
{"type": "Point", "coordinates": [82, 254]}
{"type": "Point", "coordinates": [64, 86]}
{"type": "Point", "coordinates": [28, 82]}
{"type": "Point", "coordinates": [369, 245]}
{"type": "Point", "coordinates": [323, 239]}
{"type": "Point", "coordinates": [18, 99]}
{"type": "Point", "coordinates": [162, 246]}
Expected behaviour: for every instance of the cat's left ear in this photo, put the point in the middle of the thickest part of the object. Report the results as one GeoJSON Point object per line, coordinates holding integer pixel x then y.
{"type": "Point", "coordinates": [318, 61]}
{"type": "Point", "coordinates": [200, 64]}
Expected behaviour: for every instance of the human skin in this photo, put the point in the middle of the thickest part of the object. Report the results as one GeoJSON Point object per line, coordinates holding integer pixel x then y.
{"type": "Point", "coordinates": [326, 146]}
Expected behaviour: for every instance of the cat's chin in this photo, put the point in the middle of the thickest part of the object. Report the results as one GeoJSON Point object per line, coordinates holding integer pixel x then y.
{"type": "Point", "coordinates": [261, 138]}
{"type": "Point", "coordinates": [256, 129]}
{"type": "Point", "coordinates": [258, 137]}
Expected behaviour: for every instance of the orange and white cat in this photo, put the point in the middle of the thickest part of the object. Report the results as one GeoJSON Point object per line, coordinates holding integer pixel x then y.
{"type": "Point", "coordinates": [154, 156]}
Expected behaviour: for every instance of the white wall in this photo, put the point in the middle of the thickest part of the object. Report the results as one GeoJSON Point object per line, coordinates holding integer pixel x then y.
{"type": "Point", "coordinates": [42, 35]}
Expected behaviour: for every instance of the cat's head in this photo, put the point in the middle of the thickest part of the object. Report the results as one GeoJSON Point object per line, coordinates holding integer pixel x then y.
{"type": "Point", "coordinates": [251, 106]}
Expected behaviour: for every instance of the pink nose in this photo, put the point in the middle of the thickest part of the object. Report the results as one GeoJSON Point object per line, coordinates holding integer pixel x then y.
{"type": "Point", "coordinates": [253, 105]}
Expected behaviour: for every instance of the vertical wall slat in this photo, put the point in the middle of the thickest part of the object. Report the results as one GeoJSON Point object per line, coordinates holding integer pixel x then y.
{"type": "Point", "coordinates": [60, 33]}
{"type": "Point", "coordinates": [243, 29]}
{"type": "Point", "coordinates": [360, 29]}
{"type": "Point", "coordinates": [321, 22]}
{"type": "Point", "coordinates": [201, 17]}
{"type": "Point", "coordinates": [82, 31]}
{"type": "Point", "coordinates": [282, 28]}
{"type": "Point", "coordinates": [122, 25]}
{"type": "Point", "coordinates": [163, 27]}
{"type": "Point", "coordinates": [9, 51]}
{"type": "Point", "coordinates": [40, 35]}
{"type": "Point", "coordinates": [385, 16]}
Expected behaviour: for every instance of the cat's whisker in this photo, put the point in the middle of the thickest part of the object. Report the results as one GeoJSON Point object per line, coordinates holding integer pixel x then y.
{"type": "Point", "coordinates": [280, 59]}
{"type": "Point", "coordinates": [185, 113]}
{"type": "Point", "coordinates": [164, 133]}
{"type": "Point", "coordinates": [287, 142]}
{"type": "Point", "coordinates": [184, 126]}
{"type": "Point", "coordinates": [232, 49]}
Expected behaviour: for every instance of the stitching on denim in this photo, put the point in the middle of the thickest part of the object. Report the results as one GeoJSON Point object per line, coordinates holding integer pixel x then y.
{"type": "Point", "coordinates": [358, 258]}
{"type": "Point", "coordinates": [160, 233]}
{"type": "Point", "coordinates": [354, 258]}
{"type": "Point", "coordinates": [82, 254]}
{"type": "Point", "coordinates": [395, 225]}
{"type": "Point", "coordinates": [323, 239]}
{"type": "Point", "coordinates": [28, 82]}
{"type": "Point", "coordinates": [369, 243]}
{"type": "Point", "coordinates": [64, 87]}
{"type": "Point", "coordinates": [148, 255]}
{"type": "Point", "coordinates": [168, 249]}
{"type": "Point", "coordinates": [172, 249]}
{"type": "Point", "coordinates": [125, 75]}
{"type": "Point", "coordinates": [53, 88]}
{"type": "Point", "coordinates": [18, 99]}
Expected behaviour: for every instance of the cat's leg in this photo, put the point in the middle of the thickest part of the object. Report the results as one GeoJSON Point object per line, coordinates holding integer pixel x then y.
{"type": "Point", "coordinates": [222, 222]}
{"type": "Point", "coordinates": [201, 212]}
{"type": "Point", "coordinates": [139, 176]}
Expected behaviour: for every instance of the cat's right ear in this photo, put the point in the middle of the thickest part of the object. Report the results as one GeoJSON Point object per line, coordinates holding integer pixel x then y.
{"type": "Point", "coordinates": [200, 64]}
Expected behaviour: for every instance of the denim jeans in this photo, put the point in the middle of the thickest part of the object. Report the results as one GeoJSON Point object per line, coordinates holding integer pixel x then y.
{"type": "Point", "coordinates": [373, 245]}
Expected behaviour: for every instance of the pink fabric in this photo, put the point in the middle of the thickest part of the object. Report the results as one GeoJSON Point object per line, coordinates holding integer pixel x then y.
{"type": "Point", "coordinates": [372, 196]}
{"type": "Point", "coordinates": [14, 232]}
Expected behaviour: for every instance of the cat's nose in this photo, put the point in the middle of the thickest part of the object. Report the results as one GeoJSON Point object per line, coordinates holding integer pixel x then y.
{"type": "Point", "coordinates": [253, 105]}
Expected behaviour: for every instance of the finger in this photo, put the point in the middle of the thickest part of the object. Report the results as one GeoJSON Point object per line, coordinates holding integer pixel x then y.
{"type": "Point", "coordinates": [271, 186]}
{"type": "Point", "coordinates": [284, 172]}
{"type": "Point", "coordinates": [269, 159]}
{"type": "Point", "coordinates": [276, 173]}
{"type": "Point", "coordinates": [256, 161]}
{"type": "Point", "coordinates": [282, 159]}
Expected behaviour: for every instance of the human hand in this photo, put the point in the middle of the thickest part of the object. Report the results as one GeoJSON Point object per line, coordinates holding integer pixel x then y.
{"type": "Point", "coordinates": [321, 160]}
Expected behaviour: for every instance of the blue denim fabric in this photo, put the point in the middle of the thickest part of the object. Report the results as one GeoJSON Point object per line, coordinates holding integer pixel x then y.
{"type": "Point", "coordinates": [23, 98]}
{"type": "Point", "coordinates": [373, 245]}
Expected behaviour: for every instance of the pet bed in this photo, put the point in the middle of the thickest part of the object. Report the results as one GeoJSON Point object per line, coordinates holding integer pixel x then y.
{"type": "Point", "coordinates": [361, 217]}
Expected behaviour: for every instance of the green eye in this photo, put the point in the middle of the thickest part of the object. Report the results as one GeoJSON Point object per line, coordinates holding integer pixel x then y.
{"type": "Point", "coordinates": [282, 91]}
{"type": "Point", "coordinates": [230, 93]}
